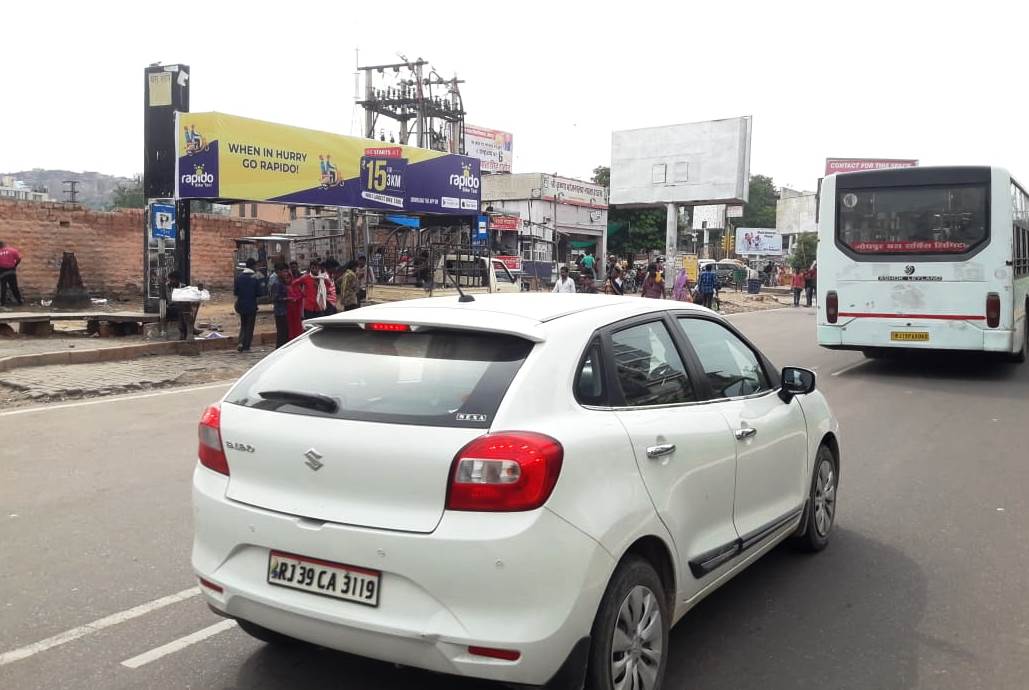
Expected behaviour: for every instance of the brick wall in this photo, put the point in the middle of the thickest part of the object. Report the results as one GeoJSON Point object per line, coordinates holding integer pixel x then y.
{"type": "Point", "coordinates": [109, 246]}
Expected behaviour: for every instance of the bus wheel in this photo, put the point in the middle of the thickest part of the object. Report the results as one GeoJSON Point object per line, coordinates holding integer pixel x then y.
{"type": "Point", "coordinates": [873, 353]}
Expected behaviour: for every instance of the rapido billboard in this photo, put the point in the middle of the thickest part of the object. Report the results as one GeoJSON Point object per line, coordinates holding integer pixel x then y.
{"type": "Point", "coordinates": [698, 163]}
{"type": "Point", "coordinates": [228, 157]}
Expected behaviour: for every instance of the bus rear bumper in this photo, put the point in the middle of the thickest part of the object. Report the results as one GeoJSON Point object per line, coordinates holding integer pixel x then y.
{"type": "Point", "coordinates": [946, 335]}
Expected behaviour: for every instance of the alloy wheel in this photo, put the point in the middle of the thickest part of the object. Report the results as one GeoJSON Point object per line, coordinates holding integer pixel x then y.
{"type": "Point", "coordinates": [825, 497]}
{"type": "Point", "coordinates": [637, 641]}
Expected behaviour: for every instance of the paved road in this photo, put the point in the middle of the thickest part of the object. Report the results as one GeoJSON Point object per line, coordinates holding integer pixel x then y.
{"type": "Point", "coordinates": [925, 586]}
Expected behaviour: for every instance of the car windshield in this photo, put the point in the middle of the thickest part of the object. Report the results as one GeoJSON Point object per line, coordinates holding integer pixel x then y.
{"type": "Point", "coordinates": [913, 220]}
{"type": "Point", "coordinates": [432, 378]}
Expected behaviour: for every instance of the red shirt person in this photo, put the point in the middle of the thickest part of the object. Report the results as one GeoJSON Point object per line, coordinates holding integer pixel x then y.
{"type": "Point", "coordinates": [9, 260]}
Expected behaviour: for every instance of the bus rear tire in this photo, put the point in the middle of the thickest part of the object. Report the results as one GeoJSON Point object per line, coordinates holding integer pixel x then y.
{"type": "Point", "coordinates": [874, 353]}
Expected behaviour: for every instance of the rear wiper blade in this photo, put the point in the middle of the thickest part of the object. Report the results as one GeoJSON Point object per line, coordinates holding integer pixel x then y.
{"type": "Point", "coordinates": [314, 401]}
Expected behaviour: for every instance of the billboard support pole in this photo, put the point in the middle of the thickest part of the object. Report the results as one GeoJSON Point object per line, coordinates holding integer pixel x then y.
{"type": "Point", "coordinates": [671, 231]}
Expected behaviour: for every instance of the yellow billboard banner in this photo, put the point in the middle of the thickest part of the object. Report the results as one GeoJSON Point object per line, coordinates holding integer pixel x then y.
{"type": "Point", "coordinates": [229, 157]}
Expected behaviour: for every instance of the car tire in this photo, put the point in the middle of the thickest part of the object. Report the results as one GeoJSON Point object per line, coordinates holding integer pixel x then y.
{"type": "Point", "coordinates": [820, 509]}
{"type": "Point", "coordinates": [630, 632]}
{"type": "Point", "coordinates": [265, 635]}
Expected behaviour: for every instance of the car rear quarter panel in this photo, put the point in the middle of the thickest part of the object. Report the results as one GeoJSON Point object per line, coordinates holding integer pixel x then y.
{"type": "Point", "coordinates": [820, 423]}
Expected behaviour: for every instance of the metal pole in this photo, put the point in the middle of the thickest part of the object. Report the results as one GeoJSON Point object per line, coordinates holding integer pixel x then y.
{"type": "Point", "coordinates": [369, 116]}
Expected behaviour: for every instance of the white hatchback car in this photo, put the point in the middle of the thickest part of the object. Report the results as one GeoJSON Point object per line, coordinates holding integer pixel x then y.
{"type": "Point", "coordinates": [523, 488]}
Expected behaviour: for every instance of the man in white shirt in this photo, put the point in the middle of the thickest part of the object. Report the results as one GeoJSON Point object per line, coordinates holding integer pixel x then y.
{"type": "Point", "coordinates": [564, 283]}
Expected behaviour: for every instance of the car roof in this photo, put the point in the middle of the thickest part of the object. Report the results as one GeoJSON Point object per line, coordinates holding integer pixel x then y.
{"type": "Point", "coordinates": [521, 314]}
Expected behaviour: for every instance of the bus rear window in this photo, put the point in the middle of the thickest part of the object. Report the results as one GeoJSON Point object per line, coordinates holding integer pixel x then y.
{"type": "Point", "coordinates": [941, 220]}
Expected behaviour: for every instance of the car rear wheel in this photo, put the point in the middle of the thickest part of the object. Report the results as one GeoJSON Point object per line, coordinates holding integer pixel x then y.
{"type": "Point", "coordinates": [629, 649]}
{"type": "Point", "coordinates": [821, 505]}
{"type": "Point", "coordinates": [265, 635]}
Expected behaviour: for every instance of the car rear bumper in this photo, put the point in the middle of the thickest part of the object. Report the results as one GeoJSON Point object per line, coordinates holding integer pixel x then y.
{"type": "Point", "coordinates": [856, 334]}
{"type": "Point", "coordinates": [522, 581]}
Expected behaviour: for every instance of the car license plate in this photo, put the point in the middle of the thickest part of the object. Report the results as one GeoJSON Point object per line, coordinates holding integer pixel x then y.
{"type": "Point", "coordinates": [910, 336]}
{"type": "Point", "coordinates": [334, 580]}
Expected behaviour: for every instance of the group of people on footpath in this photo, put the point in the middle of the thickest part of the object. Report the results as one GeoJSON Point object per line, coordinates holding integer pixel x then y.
{"type": "Point", "coordinates": [651, 281]}
{"type": "Point", "coordinates": [325, 288]}
{"type": "Point", "coordinates": [806, 282]}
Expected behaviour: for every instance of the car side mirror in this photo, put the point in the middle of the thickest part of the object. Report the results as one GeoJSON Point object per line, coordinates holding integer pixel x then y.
{"type": "Point", "coordinates": [796, 381]}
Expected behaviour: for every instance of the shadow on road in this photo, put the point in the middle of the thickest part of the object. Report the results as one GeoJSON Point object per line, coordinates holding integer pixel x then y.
{"type": "Point", "coordinates": [845, 618]}
{"type": "Point", "coordinates": [944, 366]}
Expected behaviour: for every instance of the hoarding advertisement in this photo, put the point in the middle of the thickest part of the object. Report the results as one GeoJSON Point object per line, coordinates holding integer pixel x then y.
{"type": "Point", "coordinates": [228, 157]}
{"type": "Point", "coordinates": [493, 148]}
{"type": "Point", "coordinates": [504, 222]}
{"type": "Point", "coordinates": [758, 241]}
{"type": "Point", "coordinates": [846, 165]}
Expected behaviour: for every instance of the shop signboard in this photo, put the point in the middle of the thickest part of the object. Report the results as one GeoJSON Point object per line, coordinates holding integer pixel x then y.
{"type": "Point", "coordinates": [504, 222]}
{"type": "Point", "coordinates": [758, 242]}
{"type": "Point", "coordinates": [566, 190]}
{"type": "Point", "coordinates": [228, 157]}
{"type": "Point", "coordinates": [513, 263]}
{"type": "Point", "coordinates": [493, 148]}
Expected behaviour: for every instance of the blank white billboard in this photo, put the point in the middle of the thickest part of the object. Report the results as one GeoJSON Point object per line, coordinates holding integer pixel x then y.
{"type": "Point", "coordinates": [699, 162]}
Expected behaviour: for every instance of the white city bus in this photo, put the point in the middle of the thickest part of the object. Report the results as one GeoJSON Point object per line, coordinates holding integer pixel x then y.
{"type": "Point", "coordinates": [924, 258]}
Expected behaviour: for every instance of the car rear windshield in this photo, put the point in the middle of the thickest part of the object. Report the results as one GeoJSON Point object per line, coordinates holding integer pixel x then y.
{"type": "Point", "coordinates": [431, 378]}
{"type": "Point", "coordinates": [942, 220]}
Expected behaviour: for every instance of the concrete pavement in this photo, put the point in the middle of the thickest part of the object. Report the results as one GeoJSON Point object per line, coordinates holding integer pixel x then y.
{"type": "Point", "coordinates": [924, 586]}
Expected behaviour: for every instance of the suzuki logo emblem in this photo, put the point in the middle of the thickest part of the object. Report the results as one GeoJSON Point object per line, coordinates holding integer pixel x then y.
{"type": "Point", "coordinates": [313, 458]}
{"type": "Point", "coordinates": [909, 270]}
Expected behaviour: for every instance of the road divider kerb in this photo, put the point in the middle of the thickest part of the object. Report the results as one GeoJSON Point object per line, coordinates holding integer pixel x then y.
{"type": "Point", "coordinates": [117, 398]}
{"type": "Point", "coordinates": [96, 626]}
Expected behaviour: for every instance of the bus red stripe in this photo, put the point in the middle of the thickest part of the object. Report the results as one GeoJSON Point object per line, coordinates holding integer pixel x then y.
{"type": "Point", "coordinates": [942, 317]}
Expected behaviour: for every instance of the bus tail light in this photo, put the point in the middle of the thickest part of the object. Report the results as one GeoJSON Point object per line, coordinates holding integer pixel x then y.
{"type": "Point", "coordinates": [832, 307]}
{"type": "Point", "coordinates": [993, 310]}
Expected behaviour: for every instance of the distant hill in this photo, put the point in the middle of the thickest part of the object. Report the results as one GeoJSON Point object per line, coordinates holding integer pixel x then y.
{"type": "Point", "coordinates": [95, 189]}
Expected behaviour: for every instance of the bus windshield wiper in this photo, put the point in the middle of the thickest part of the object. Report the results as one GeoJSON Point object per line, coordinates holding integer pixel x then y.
{"type": "Point", "coordinates": [314, 401]}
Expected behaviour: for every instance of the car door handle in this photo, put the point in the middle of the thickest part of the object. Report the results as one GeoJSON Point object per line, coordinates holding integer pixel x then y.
{"type": "Point", "coordinates": [745, 433]}
{"type": "Point", "coordinates": [659, 450]}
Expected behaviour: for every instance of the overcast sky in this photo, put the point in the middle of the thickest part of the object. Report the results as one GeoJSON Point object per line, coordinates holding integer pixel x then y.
{"type": "Point", "coordinates": [944, 82]}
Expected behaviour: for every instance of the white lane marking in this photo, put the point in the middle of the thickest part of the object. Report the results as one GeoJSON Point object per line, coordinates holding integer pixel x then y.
{"type": "Point", "coordinates": [117, 398]}
{"type": "Point", "coordinates": [855, 365]}
{"type": "Point", "coordinates": [176, 645]}
{"type": "Point", "coordinates": [97, 625]}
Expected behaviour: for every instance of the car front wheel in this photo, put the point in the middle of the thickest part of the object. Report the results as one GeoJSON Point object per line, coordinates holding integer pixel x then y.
{"type": "Point", "coordinates": [821, 504]}
{"type": "Point", "coordinates": [629, 647]}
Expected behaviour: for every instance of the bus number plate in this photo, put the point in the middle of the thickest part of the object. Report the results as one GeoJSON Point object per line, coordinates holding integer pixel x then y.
{"type": "Point", "coordinates": [909, 336]}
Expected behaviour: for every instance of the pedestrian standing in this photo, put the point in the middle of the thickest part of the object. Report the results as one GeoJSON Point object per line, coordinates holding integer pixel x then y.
{"type": "Point", "coordinates": [330, 267]}
{"type": "Point", "coordinates": [348, 287]}
{"type": "Point", "coordinates": [707, 283]}
{"type": "Point", "coordinates": [798, 285]}
{"type": "Point", "coordinates": [294, 308]}
{"type": "Point", "coordinates": [811, 284]}
{"type": "Point", "coordinates": [316, 292]}
{"type": "Point", "coordinates": [652, 287]}
{"type": "Point", "coordinates": [739, 277]}
{"type": "Point", "coordinates": [294, 270]}
{"type": "Point", "coordinates": [615, 284]}
{"type": "Point", "coordinates": [9, 260]}
{"type": "Point", "coordinates": [280, 301]}
{"type": "Point", "coordinates": [682, 285]}
{"type": "Point", "coordinates": [246, 289]}
{"type": "Point", "coordinates": [564, 283]}
{"type": "Point", "coordinates": [365, 279]}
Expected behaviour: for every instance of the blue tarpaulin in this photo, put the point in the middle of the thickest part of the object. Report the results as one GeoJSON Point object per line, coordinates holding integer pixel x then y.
{"type": "Point", "coordinates": [405, 221]}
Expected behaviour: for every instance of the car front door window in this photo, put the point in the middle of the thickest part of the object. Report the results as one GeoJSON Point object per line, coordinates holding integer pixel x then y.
{"type": "Point", "coordinates": [732, 368]}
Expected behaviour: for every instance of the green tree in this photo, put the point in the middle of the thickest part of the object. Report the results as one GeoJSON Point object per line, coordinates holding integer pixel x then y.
{"type": "Point", "coordinates": [635, 231]}
{"type": "Point", "coordinates": [130, 195]}
{"type": "Point", "coordinates": [805, 250]}
{"type": "Point", "coordinates": [759, 212]}
{"type": "Point", "coordinates": [602, 175]}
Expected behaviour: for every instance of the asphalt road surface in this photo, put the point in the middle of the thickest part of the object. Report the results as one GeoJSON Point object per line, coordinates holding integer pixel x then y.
{"type": "Point", "coordinates": [926, 584]}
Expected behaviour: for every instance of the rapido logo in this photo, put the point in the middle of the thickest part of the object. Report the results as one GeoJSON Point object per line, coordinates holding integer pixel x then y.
{"type": "Point", "coordinates": [466, 182]}
{"type": "Point", "coordinates": [199, 178]}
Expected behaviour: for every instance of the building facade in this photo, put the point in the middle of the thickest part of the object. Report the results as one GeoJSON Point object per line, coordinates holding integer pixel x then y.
{"type": "Point", "coordinates": [561, 217]}
{"type": "Point", "coordinates": [17, 190]}
{"type": "Point", "coordinates": [795, 214]}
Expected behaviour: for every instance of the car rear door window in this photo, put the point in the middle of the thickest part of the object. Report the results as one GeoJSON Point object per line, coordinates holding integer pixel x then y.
{"type": "Point", "coordinates": [732, 368]}
{"type": "Point", "coordinates": [648, 366]}
{"type": "Point", "coordinates": [432, 377]}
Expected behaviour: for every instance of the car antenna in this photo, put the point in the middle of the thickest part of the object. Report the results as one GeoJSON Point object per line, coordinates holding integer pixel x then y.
{"type": "Point", "coordinates": [463, 297]}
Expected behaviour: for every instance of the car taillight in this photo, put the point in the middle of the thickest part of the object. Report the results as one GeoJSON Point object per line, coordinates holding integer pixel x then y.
{"type": "Point", "coordinates": [211, 452]}
{"type": "Point", "coordinates": [832, 307]}
{"type": "Point", "coordinates": [993, 310]}
{"type": "Point", "coordinates": [506, 471]}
